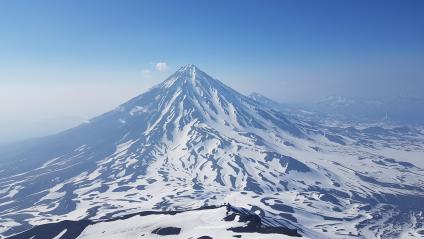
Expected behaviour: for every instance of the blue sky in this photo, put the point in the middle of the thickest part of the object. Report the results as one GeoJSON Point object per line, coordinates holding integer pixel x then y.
{"type": "Point", "coordinates": [59, 54]}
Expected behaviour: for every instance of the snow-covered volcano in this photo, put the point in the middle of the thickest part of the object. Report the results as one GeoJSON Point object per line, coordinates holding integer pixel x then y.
{"type": "Point", "coordinates": [193, 141]}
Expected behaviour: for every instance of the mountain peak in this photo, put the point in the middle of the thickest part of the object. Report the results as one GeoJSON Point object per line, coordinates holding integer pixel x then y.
{"type": "Point", "coordinates": [188, 75]}
{"type": "Point", "coordinates": [188, 67]}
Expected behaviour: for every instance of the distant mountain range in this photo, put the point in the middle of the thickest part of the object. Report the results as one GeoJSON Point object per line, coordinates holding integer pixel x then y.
{"type": "Point", "coordinates": [192, 144]}
{"type": "Point", "coordinates": [400, 110]}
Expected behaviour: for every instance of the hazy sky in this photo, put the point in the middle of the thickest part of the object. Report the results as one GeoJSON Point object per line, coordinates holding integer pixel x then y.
{"type": "Point", "coordinates": [65, 61]}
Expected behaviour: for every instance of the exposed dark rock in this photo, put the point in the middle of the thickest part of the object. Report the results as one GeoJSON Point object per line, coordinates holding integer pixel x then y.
{"type": "Point", "coordinates": [164, 231]}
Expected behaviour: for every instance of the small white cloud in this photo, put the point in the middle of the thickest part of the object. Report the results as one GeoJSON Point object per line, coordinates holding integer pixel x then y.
{"type": "Point", "coordinates": [146, 73]}
{"type": "Point", "coordinates": [161, 66]}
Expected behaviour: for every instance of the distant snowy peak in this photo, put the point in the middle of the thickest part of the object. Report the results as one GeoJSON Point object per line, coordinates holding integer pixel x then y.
{"type": "Point", "coordinates": [261, 98]}
{"type": "Point", "coordinates": [343, 101]}
{"type": "Point", "coordinates": [337, 101]}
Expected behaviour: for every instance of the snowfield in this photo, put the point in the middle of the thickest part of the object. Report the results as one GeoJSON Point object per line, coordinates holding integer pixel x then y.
{"type": "Point", "coordinates": [192, 141]}
{"type": "Point", "coordinates": [193, 224]}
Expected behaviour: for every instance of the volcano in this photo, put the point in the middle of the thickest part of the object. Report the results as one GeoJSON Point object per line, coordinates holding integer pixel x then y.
{"type": "Point", "coordinates": [192, 141]}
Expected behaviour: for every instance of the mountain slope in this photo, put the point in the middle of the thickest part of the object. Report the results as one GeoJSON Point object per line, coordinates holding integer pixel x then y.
{"type": "Point", "coordinates": [192, 141]}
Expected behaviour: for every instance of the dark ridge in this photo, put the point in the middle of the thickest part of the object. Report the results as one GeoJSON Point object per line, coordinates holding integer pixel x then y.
{"type": "Point", "coordinates": [255, 224]}
{"type": "Point", "coordinates": [51, 230]}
